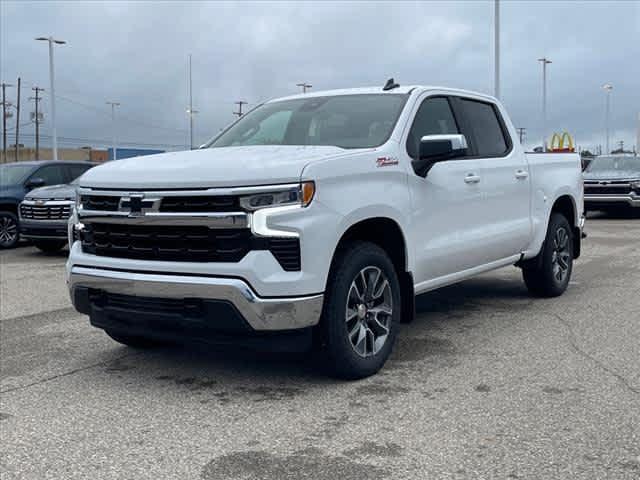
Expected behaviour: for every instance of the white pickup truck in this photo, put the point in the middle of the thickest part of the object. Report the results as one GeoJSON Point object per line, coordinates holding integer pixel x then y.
{"type": "Point", "coordinates": [315, 219]}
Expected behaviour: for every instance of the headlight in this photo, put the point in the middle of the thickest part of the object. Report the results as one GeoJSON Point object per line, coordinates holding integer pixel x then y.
{"type": "Point", "coordinates": [301, 194]}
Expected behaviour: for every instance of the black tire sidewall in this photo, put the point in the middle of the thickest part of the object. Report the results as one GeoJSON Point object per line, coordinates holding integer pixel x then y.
{"type": "Point", "coordinates": [17, 222]}
{"type": "Point", "coordinates": [345, 362]}
{"type": "Point", "coordinates": [50, 246]}
{"type": "Point", "coordinates": [556, 221]}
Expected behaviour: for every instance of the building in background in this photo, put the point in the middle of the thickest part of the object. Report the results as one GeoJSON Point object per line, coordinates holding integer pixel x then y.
{"type": "Point", "coordinates": [132, 152]}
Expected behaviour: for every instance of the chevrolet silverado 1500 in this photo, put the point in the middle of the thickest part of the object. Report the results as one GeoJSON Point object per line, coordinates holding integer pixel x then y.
{"type": "Point", "coordinates": [315, 219]}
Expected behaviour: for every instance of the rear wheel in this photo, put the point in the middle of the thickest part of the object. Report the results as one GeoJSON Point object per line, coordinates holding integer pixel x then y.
{"type": "Point", "coordinates": [549, 273]}
{"type": "Point", "coordinates": [9, 234]}
{"type": "Point", "coordinates": [361, 312]}
{"type": "Point", "coordinates": [133, 341]}
{"type": "Point", "coordinates": [50, 246]}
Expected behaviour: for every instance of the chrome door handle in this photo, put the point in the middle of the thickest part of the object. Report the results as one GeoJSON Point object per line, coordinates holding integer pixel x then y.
{"type": "Point", "coordinates": [522, 174]}
{"type": "Point", "coordinates": [472, 178]}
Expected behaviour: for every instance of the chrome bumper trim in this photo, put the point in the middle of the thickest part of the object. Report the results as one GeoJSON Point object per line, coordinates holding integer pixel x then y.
{"type": "Point", "coordinates": [284, 313]}
{"type": "Point", "coordinates": [632, 200]}
{"type": "Point", "coordinates": [211, 220]}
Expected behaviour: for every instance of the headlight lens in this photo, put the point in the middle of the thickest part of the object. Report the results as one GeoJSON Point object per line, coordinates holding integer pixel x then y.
{"type": "Point", "coordinates": [301, 194]}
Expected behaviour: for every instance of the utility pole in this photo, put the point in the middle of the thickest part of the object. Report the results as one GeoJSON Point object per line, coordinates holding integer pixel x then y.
{"type": "Point", "coordinates": [191, 111]}
{"type": "Point", "coordinates": [4, 120]}
{"type": "Point", "coordinates": [304, 86]}
{"type": "Point", "coordinates": [52, 89]}
{"type": "Point", "coordinates": [239, 103]}
{"type": "Point", "coordinates": [18, 120]}
{"type": "Point", "coordinates": [607, 87]}
{"type": "Point", "coordinates": [113, 126]}
{"type": "Point", "coordinates": [496, 46]}
{"type": "Point", "coordinates": [522, 133]}
{"type": "Point", "coordinates": [545, 61]}
{"type": "Point", "coordinates": [36, 100]}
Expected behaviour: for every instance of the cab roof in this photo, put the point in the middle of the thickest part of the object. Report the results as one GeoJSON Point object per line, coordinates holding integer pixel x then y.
{"type": "Point", "coordinates": [403, 89]}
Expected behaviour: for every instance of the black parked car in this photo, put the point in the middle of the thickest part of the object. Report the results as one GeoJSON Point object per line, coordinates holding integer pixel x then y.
{"type": "Point", "coordinates": [19, 178]}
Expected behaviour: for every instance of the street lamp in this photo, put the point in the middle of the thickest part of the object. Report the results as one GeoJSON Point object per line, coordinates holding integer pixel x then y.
{"type": "Point", "coordinates": [607, 87]}
{"type": "Point", "coordinates": [496, 47]}
{"type": "Point", "coordinates": [54, 135]}
{"type": "Point", "coordinates": [113, 126]}
{"type": "Point", "coordinates": [545, 61]}
{"type": "Point", "coordinates": [304, 86]}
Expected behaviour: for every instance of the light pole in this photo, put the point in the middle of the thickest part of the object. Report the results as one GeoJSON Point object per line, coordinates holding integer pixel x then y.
{"type": "Point", "coordinates": [607, 88]}
{"type": "Point", "coordinates": [190, 110]}
{"type": "Point", "coordinates": [54, 135]}
{"type": "Point", "coordinates": [545, 61]}
{"type": "Point", "coordinates": [304, 86]}
{"type": "Point", "coordinates": [113, 125]}
{"type": "Point", "coordinates": [496, 66]}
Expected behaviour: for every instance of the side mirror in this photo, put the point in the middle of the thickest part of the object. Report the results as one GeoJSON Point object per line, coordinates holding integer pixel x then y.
{"type": "Point", "coordinates": [35, 183]}
{"type": "Point", "coordinates": [437, 148]}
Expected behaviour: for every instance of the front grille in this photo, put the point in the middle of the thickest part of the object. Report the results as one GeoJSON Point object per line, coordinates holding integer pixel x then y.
{"type": "Point", "coordinates": [218, 203]}
{"type": "Point", "coordinates": [103, 203]}
{"type": "Point", "coordinates": [146, 304]}
{"type": "Point", "coordinates": [610, 189]}
{"type": "Point", "coordinates": [174, 243]}
{"type": "Point", "coordinates": [45, 212]}
{"type": "Point", "coordinates": [185, 244]}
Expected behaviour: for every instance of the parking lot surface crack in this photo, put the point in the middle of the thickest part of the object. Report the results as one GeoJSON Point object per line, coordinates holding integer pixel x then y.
{"type": "Point", "coordinates": [574, 345]}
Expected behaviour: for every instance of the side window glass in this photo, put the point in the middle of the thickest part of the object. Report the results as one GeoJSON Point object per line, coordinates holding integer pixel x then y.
{"type": "Point", "coordinates": [434, 117]}
{"type": "Point", "coordinates": [52, 175]}
{"type": "Point", "coordinates": [77, 170]}
{"type": "Point", "coordinates": [488, 134]}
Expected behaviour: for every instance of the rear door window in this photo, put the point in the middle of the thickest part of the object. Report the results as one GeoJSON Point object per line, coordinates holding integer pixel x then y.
{"type": "Point", "coordinates": [76, 170]}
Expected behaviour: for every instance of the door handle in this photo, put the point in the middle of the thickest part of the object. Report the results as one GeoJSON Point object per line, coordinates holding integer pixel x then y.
{"type": "Point", "coordinates": [522, 174]}
{"type": "Point", "coordinates": [472, 178]}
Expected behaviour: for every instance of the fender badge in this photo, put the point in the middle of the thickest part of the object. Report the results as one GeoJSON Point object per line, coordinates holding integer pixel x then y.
{"type": "Point", "coordinates": [386, 161]}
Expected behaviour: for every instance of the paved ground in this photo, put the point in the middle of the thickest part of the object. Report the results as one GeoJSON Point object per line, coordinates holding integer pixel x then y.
{"type": "Point", "coordinates": [487, 383]}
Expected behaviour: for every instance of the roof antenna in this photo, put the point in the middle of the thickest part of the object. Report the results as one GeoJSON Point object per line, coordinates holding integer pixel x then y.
{"type": "Point", "coordinates": [390, 85]}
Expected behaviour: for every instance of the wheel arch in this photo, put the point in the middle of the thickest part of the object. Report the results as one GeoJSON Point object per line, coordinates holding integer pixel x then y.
{"type": "Point", "coordinates": [566, 205]}
{"type": "Point", "coordinates": [386, 233]}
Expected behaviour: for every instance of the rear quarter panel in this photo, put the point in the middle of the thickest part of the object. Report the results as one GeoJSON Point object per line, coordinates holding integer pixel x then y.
{"type": "Point", "coordinates": [553, 175]}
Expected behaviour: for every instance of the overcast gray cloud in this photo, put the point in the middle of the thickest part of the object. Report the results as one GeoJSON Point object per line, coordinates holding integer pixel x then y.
{"type": "Point", "coordinates": [136, 53]}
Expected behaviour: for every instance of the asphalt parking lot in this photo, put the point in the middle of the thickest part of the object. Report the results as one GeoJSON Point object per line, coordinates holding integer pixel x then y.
{"type": "Point", "coordinates": [486, 383]}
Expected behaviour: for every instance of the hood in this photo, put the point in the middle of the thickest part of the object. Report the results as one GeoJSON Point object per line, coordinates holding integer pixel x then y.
{"type": "Point", "coordinates": [210, 167]}
{"type": "Point", "coordinates": [612, 175]}
{"type": "Point", "coordinates": [53, 192]}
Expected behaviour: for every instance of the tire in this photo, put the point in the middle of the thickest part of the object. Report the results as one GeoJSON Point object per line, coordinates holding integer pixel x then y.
{"type": "Point", "coordinates": [548, 274]}
{"type": "Point", "coordinates": [133, 341]}
{"type": "Point", "coordinates": [9, 230]}
{"type": "Point", "coordinates": [50, 246]}
{"type": "Point", "coordinates": [372, 315]}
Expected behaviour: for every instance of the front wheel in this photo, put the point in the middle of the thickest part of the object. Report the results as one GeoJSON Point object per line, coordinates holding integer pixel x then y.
{"type": "Point", "coordinates": [9, 235]}
{"type": "Point", "coordinates": [361, 312]}
{"type": "Point", "coordinates": [549, 273]}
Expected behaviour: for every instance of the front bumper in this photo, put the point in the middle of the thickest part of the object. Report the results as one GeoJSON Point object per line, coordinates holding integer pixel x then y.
{"type": "Point", "coordinates": [87, 286]}
{"type": "Point", "coordinates": [43, 230]}
{"type": "Point", "coordinates": [611, 200]}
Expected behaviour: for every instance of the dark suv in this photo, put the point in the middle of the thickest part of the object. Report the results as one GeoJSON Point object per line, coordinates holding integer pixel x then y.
{"type": "Point", "coordinates": [17, 179]}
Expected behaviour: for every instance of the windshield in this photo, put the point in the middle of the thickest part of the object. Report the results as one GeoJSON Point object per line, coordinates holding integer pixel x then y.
{"type": "Point", "coordinates": [346, 121]}
{"type": "Point", "coordinates": [13, 174]}
{"type": "Point", "coordinates": [609, 164]}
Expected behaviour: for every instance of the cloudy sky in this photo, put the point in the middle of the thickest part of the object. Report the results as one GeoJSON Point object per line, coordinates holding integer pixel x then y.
{"type": "Point", "coordinates": [137, 53]}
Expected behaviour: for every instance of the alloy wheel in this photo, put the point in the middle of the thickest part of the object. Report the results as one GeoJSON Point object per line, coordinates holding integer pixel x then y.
{"type": "Point", "coordinates": [8, 231]}
{"type": "Point", "coordinates": [561, 256]}
{"type": "Point", "coordinates": [369, 311]}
